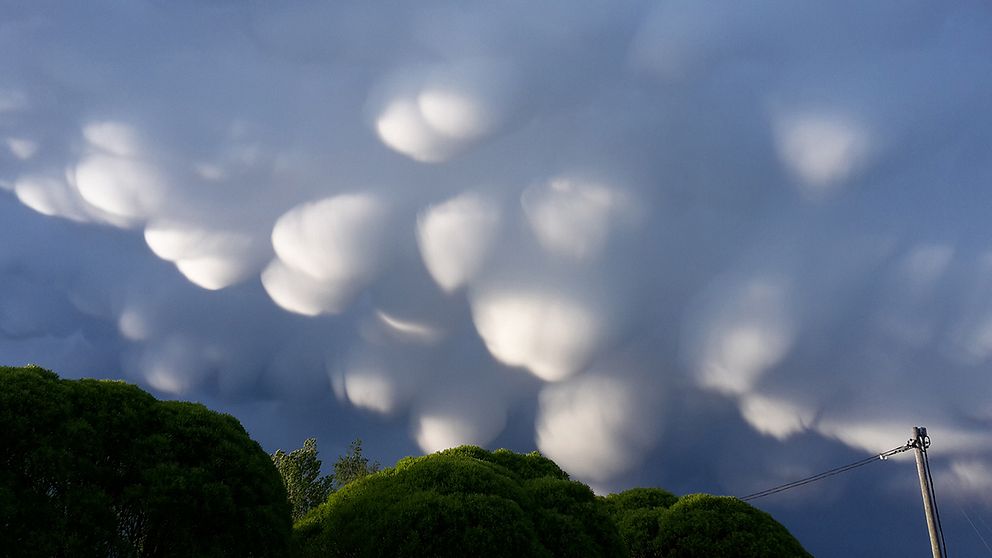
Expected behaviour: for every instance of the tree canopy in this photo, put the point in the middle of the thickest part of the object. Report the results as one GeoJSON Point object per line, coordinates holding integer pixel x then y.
{"type": "Point", "coordinates": [300, 472]}
{"type": "Point", "coordinates": [102, 468]}
{"type": "Point", "coordinates": [701, 525]}
{"type": "Point", "coordinates": [353, 465]}
{"type": "Point", "coordinates": [306, 488]}
{"type": "Point", "coordinates": [655, 524]}
{"type": "Point", "coordinates": [464, 501]}
{"type": "Point", "coordinates": [637, 514]}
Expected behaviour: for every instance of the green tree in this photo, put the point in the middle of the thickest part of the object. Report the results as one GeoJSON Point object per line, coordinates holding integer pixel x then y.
{"type": "Point", "coordinates": [656, 524]}
{"type": "Point", "coordinates": [702, 525]}
{"type": "Point", "coordinates": [637, 514]}
{"type": "Point", "coordinates": [461, 502]}
{"type": "Point", "coordinates": [300, 472]}
{"type": "Point", "coordinates": [352, 466]}
{"type": "Point", "coordinates": [101, 468]}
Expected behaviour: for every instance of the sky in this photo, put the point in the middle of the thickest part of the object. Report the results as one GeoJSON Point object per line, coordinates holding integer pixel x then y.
{"type": "Point", "coordinates": [712, 247]}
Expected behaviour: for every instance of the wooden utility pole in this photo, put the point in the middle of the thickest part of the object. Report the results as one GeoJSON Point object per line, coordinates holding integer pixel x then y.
{"type": "Point", "coordinates": [920, 441]}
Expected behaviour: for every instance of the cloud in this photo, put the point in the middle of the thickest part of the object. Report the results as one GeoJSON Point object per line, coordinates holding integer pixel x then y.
{"type": "Point", "coordinates": [574, 218]}
{"type": "Point", "coordinates": [547, 329]}
{"type": "Point", "coordinates": [822, 151]}
{"type": "Point", "coordinates": [456, 238]}
{"type": "Point", "coordinates": [431, 114]}
{"type": "Point", "coordinates": [441, 225]}
{"type": "Point", "coordinates": [458, 415]}
{"type": "Point", "coordinates": [327, 250]}
{"type": "Point", "coordinates": [212, 259]}
{"type": "Point", "coordinates": [744, 328]}
{"type": "Point", "coordinates": [597, 426]}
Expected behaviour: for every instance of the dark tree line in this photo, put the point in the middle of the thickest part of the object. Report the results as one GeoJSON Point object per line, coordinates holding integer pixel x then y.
{"type": "Point", "coordinates": [102, 468]}
{"type": "Point", "coordinates": [461, 502]}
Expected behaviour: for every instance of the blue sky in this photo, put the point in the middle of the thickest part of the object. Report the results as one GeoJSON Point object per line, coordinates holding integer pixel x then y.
{"type": "Point", "coordinates": [710, 247]}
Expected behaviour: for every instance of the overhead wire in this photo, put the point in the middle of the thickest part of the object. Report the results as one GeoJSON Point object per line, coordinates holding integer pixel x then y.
{"type": "Point", "coordinates": [977, 532]}
{"type": "Point", "coordinates": [982, 521]}
{"type": "Point", "coordinates": [820, 476]}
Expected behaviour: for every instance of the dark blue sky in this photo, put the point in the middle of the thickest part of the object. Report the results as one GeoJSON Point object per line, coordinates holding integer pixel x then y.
{"type": "Point", "coordinates": [706, 246]}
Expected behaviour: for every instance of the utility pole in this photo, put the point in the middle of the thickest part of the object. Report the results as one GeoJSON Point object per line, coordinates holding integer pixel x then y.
{"type": "Point", "coordinates": [920, 441]}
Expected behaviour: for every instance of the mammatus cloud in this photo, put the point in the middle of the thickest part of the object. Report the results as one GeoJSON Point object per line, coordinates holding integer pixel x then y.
{"type": "Point", "coordinates": [432, 113]}
{"type": "Point", "coordinates": [327, 251]}
{"type": "Point", "coordinates": [821, 151]}
{"type": "Point", "coordinates": [574, 219]}
{"type": "Point", "coordinates": [212, 259]}
{"type": "Point", "coordinates": [598, 424]}
{"type": "Point", "coordinates": [743, 330]}
{"type": "Point", "coordinates": [456, 238]}
{"type": "Point", "coordinates": [455, 222]}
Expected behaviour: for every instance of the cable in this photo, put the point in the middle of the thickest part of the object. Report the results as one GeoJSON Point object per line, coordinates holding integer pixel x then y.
{"type": "Point", "coordinates": [933, 498]}
{"type": "Point", "coordinates": [835, 471]}
{"type": "Point", "coordinates": [977, 532]}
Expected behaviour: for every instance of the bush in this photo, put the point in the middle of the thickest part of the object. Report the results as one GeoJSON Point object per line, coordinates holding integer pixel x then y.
{"type": "Point", "coordinates": [461, 502]}
{"type": "Point", "coordinates": [101, 468]}
{"type": "Point", "coordinates": [637, 514]}
{"type": "Point", "coordinates": [656, 524]}
{"type": "Point", "coordinates": [701, 525]}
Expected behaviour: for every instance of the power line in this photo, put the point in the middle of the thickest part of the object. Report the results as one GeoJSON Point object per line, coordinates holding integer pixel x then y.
{"type": "Point", "coordinates": [977, 532]}
{"type": "Point", "coordinates": [835, 471]}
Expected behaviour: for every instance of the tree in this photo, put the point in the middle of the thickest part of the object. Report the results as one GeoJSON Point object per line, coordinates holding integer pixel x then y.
{"type": "Point", "coordinates": [353, 465]}
{"type": "Point", "coordinates": [656, 524]}
{"type": "Point", "coordinates": [300, 472]}
{"type": "Point", "coordinates": [702, 525]}
{"type": "Point", "coordinates": [101, 468]}
{"type": "Point", "coordinates": [637, 514]}
{"type": "Point", "coordinates": [461, 502]}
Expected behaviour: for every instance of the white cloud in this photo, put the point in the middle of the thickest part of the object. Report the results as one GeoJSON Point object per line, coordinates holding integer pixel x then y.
{"type": "Point", "coordinates": [821, 150]}
{"type": "Point", "coordinates": [126, 188]}
{"type": "Point", "coordinates": [740, 331]}
{"type": "Point", "coordinates": [435, 112]}
{"type": "Point", "coordinates": [574, 218]}
{"type": "Point", "coordinates": [209, 258]}
{"type": "Point", "coordinates": [456, 237]}
{"type": "Point", "coordinates": [553, 333]}
{"type": "Point", "coordinates": [342, 238]}
{"type": "Point", "coordinates": [596, 427]}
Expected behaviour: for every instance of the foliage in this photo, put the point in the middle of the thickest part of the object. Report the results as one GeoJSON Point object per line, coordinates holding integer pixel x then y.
{"type": "Point", "coordinates": [352, 466]}
{"type": "Point", "coordinates": [637, 514]}
{"type": "Point", "coordinates": [461, 502]}
{"type": "Point", "coordinates": [300, 472]}
{"type": "Point", "coordinates": [701, 525]}
{"type": "Point", "coordinates": [101, 468]}
{"type": "Point", "coordinates": [655, 524]}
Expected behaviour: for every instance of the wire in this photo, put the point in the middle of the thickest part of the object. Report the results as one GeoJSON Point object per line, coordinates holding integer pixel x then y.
{"type": "Point", "coordinates": [835, 471]}
{"type": "Point", "coordinates": [986, 525]}
{"type": "Point", "coordinates": [933, 498]}
{"type": "Point", "coordinates": [977, 532]}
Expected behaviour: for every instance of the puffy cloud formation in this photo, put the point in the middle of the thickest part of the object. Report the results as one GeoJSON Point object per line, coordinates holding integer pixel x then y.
{"type": "Point", "coordinates": [574, 219]}
{"type": "Point", "coordinates": [212, 259]}
{"type": "Point", "coordinates": [599, 424]}
{"type": "Point", "coordinates": [742, 332]}
{"type": "Point", "coordinates": [327, 250]}
{"type": "Point", "coordinates": [431, 113]}
{"type": "Point", "coordinates": [643, 238]}
{"type": "Point", "coordinates": [456, 237]}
